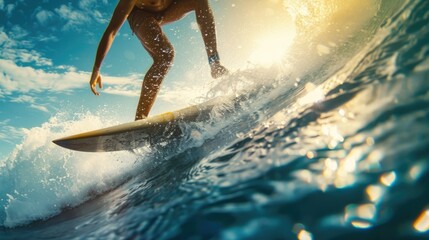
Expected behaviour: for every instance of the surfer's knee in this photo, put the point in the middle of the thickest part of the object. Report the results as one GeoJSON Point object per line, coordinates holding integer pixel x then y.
{"type": "Point", "coordinates": [165, 56]}
{"type": "Point", "coordinates": [168, 55]}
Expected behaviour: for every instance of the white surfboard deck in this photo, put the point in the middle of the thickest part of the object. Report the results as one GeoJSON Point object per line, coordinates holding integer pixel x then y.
{"type": "Point", "coordinates": [137, 134]}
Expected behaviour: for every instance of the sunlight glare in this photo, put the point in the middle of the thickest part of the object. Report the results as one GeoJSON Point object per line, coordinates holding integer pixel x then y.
{"type": "Point", "coordinates": [271, 48]}
{"type": "Point", "coordinates": [314, 95]}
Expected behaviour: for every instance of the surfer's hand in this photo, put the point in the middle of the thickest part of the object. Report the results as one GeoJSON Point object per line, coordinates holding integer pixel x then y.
{"type": "Point", "coordinates": [218, 70]}
{"type": "Point", "coordinates": [95, 79]}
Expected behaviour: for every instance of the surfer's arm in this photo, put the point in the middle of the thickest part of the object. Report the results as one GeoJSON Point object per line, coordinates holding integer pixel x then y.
{"type": "Point", "coordinates": [122, 10]}
{"type": "Point", "coordinates": [206, 22]}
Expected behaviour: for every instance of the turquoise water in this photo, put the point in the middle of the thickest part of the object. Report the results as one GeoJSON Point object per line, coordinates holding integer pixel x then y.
{"type": "Point", "coordinates": [338, 151]}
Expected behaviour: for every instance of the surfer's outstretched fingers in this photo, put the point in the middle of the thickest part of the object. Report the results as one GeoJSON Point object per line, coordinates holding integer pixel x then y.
{"type": "Point", "coordinates": [95, 78]}
{"type": "Point", "coordinates": [94, 91]}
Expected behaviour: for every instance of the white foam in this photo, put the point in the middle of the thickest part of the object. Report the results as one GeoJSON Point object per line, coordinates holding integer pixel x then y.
{"type": "Point", "coordinates": [39, 178]}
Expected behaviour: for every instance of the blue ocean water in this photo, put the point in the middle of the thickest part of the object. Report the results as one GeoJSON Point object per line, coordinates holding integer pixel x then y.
{"type": "Point", "coordinates": [338, 150]}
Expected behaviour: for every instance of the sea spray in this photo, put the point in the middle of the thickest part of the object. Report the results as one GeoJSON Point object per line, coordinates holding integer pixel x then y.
{"type": "Point", "coordinates": [40, 178]}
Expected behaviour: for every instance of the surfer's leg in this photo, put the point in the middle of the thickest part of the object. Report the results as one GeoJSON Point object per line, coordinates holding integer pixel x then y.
{"type": "Point", "coordinates": [206, 23]}
{"type": "Point", "coordinates": [204, 15]}
{"type": "Point", "coordinates": [160, 49]}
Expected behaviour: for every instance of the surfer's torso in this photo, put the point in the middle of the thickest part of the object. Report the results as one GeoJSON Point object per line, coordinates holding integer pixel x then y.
{"type": "Point", "coordinates": [154, 5]}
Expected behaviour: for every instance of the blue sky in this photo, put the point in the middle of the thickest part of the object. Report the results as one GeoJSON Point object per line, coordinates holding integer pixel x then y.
{"type": "Point", "coordinates": [47, 50]}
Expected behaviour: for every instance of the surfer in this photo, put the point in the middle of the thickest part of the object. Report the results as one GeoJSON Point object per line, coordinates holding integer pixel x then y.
{"type": "Point", "coordinates": [146, 18]}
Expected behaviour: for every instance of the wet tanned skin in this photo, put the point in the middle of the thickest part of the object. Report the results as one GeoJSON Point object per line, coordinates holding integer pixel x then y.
{"type": "Point", "coordinates": [153, 5]}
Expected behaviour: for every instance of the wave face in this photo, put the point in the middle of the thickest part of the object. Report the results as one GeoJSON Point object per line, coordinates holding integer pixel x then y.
{"type": "Point", "coordinates": [330, 144]}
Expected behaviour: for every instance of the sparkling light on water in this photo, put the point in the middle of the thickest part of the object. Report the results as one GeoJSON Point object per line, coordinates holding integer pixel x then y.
{"type": "Point", "coordinates": [304, 235]}
{"type": "Point", "coordinates": [422, 222]}
{"type": "Point", "coordinates": [314, 95]}
{"type": "Point", "coordinates": [375, 192]}
{"type": "Point", "coordinates": [360, 216]}
{"type": "Point", "coordinates": [388, 179]}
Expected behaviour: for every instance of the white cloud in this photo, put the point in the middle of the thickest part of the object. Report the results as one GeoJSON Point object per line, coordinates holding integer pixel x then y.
{"type": "Point", "coordinates": [89, 7]}
{"type": "Point", "coordinates": [123, 91]}
{"type": "Point", "coordinates": [14, 78]}
{"type": "Point", "coordinates": [31, 56]}
{"type": "Point", "coordinates": [10, 134]}
{"type": "Point", "coordinates": [12, 48]}
{"type": "Point", "coordinates": [5, 41]}
{"type": "Point", "coordinates": [9, 9]}
{"type": "Point", "coordinates": [23, 99]}
{"type": "Point", "coordinates": [43, 16]}
{"type": "Point", "coordinates": [72, 17]}
{"type": "Point", "coordinates": [98, 17]}
{"type": "Point", "coordinates": [17, 32]}
{"type": "Point", "coordinates": [4, 122]}
{"type": "Point", "coordinates": [31, 100]}
{"type": "Point", "coordinates": [26, 80]}
{"type": "Point", "coordinates": [25, 56]}
{"type": "Point", "coordinates": [40, 108]}
{"type": "Point", "coordinates": [85, 4]}
{"type": "Point", "coordinates": [47, 38]}
{"type": "Point", "coordinates": [77, 17]}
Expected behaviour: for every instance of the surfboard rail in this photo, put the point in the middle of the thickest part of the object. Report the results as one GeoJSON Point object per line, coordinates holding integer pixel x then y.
{"type": "Point", "coordinates": [128, 136]}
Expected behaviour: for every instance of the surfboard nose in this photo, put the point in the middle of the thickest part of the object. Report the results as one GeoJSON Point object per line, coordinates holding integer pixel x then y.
{"type": "Point", "coordinates": [73, 145]}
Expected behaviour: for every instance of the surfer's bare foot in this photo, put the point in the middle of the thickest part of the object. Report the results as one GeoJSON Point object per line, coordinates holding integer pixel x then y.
{"type": "Point", "coordinates": [218, 70]}
{"type": "Point", "coordinates": [140, 117]}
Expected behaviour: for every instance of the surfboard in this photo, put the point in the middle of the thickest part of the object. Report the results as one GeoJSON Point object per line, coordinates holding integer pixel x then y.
{"type": "Point", "coordinates": [129, 136]}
